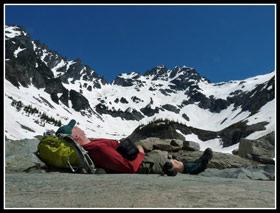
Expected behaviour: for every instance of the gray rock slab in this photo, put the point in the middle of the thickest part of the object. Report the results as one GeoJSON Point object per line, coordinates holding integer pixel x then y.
{"type": "Point", "coordinates": [19, 155]}
{"type": "Point", "coordinates": [241, 173]}
{"type": "Point", "coordinates": [63, 190]}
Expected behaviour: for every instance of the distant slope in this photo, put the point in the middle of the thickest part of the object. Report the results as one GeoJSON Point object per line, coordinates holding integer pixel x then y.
{"type": "Point", "coordinates": [44, 90]}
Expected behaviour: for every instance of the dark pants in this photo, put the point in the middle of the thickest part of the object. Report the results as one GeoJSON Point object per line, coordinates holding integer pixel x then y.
{"type": "Point", "coordinates": [153, 162]}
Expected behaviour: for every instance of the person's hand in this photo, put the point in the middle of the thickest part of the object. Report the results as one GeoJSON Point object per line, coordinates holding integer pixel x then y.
{"type": "Point", "coordinates": [141, 149]}
{"type": "Point", "coordinates": [128, 149]}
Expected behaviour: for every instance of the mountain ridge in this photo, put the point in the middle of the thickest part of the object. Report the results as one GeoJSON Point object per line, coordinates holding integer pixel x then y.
{"type": "Point", "coordinates": [75, 90]}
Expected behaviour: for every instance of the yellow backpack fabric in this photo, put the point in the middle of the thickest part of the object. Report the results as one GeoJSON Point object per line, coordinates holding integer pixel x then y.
{"type": "Point", "coordinates": [55, 152]}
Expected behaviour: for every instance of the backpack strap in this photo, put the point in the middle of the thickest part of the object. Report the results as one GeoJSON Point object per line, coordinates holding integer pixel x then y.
{"type": "Point", "coordinates": [69, 164]}
{"type": "Point", "coordinates": [84, 158]}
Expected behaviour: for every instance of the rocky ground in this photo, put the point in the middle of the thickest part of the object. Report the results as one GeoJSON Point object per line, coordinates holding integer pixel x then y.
{"type": "Point", "coordinates": [65, 190]}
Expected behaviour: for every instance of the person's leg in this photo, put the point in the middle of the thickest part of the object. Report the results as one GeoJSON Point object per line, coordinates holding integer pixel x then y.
{"type": "Point", "coordinates": [178, 166]}
{"type": "Point", "coordinates": [198, 165]}
{"type": "Point", "coordinates": [155, 163]}
{"type": "Point", "coordinates": [188, 167]}
{"type": "Point", "coordinates": [172, 167]}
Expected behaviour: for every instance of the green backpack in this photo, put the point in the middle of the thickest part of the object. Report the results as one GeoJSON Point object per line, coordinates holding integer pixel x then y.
{"type": "Point", "coordinates": [63, 152]}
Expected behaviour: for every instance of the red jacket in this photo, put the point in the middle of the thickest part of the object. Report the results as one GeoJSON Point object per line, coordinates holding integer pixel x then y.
{"type": "Point", "coordinates": [104, 154]}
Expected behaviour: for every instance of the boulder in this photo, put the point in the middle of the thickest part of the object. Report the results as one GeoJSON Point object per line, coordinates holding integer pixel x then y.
{"type": "Point", "coordinates": [176, 142]}
{"type": "Point", "coordinates": [260, 159]}
{"type": "Point", "coordinates": [261, 149]}
{"type": "Point", "coordinates": [19, 156]}
{"type": "Point", "coordinates": [219, 160]}
{"type": "Point", "coordinates": [147, 143]}
{"type": "Point", "coordinates": [253, 173]}
{"type": "Point", "coordinates": [235, 152]}
{"type": "Point", "coordinates": [166, 147]}
{"type": "Point", "coordinates": [152, 143]}
{"type": "Point", "coordinates": [191, 146]}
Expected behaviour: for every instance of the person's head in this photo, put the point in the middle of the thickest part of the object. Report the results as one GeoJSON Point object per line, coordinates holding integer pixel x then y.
{"type": "Point", "coordinates": [75, 132]}
{"type": "Point", "coordinates": [79, 136]}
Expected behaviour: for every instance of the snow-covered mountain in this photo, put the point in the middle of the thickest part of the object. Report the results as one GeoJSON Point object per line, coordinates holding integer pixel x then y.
{"type": "Point", "coordinates": [44, 90]}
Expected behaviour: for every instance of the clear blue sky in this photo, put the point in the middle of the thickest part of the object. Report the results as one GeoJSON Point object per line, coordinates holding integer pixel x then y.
{"type": "Point", "coordinates": [222, 42]}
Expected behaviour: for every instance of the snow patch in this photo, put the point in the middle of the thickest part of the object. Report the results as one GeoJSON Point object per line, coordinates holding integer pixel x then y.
{"type": "Point", "coordinates": [17, 51]}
